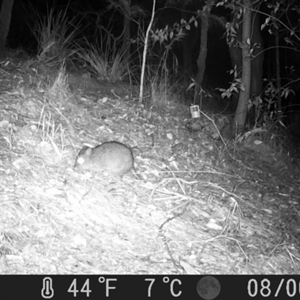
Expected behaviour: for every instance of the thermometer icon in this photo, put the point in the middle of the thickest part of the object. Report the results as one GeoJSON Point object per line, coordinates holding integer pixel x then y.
{"type": "Point", "coordinates": [47, 290]}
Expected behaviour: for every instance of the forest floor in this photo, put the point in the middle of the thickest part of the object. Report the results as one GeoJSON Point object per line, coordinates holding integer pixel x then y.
{"type": "Point", "coordinates": [202, 205]}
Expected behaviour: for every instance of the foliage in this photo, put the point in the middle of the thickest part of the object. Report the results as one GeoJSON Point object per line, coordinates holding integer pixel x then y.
{"type": "Point", "coordinates": [161, 90]}
{"type": "Point", "coordinates": [280, 19]}
{"type": "Point", "coordinates": [126, 8]}
{"type": "Point", "coordinates": [267, 109]}
{"type": "Point", "coordinates": [55, 34]}
{"type": "Point", "coordinates": [104, 60]}
{"type": "Point", "coordinates": [165, 38]}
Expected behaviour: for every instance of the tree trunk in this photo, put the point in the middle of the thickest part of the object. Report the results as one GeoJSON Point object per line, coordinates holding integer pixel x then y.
{"type": "Point", "coordinates": [244, 96]}
{"type": "Point", "coordinates": [201, 61]}
{"type": "Point", "coordinates": [257, 58]}
{"type": "Point", "coordinates": [5, 18]}
{"type": "Point", "coordinates": [126, 24]}
{"type": "Point", "coordinates": [278, 79]}
{"type": "Point", "coordinates": [186, 51]}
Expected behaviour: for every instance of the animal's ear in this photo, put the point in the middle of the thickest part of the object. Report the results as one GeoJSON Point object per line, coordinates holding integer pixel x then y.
{"type": "Point", "coordinates": [88, 151]}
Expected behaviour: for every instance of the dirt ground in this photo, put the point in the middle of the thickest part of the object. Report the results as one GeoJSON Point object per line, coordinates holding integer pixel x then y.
{"type": "Point", "coordinates": [200, 205]}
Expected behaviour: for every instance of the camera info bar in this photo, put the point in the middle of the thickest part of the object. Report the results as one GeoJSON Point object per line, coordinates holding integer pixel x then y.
{"type": "Point", "coordinates": [146, 287]}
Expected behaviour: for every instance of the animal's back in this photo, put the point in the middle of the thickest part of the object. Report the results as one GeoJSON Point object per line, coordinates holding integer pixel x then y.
{"type": "Point", "coordinates": [112, 157]}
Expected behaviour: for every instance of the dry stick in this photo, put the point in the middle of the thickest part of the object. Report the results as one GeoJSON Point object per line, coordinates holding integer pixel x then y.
{"type": "Point", "coordinates": [213, 122]}
{"type": "Point", "coordinates": [145, 52]}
